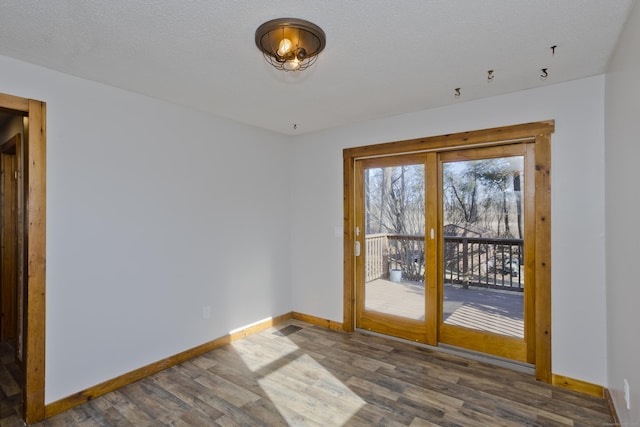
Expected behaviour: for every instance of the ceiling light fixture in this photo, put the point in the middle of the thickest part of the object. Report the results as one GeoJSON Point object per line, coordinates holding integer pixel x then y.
{"type": "Point", "coordinates": [290, 44]}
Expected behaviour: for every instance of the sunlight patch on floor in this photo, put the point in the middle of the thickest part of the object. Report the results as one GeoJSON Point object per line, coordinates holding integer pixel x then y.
{"type": "Point", "coordinates": [304, 392]}
{"type": "Point", "coordinates": [257, 357]}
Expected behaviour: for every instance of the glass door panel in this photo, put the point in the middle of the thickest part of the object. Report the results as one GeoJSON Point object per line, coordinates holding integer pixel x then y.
{"type": "Point", "coordinates": [482, 255]}
{"type": "Point", "coordinates": [394, 264]}
{"type": "Point", "coordinates": [394, 240]}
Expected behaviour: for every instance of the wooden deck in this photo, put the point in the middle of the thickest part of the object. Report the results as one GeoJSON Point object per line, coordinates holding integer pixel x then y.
{"type": "Point", "coordinates": [483, 309]}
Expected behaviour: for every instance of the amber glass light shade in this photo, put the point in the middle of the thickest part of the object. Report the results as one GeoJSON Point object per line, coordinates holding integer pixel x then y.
{"type": "Point", "coordinates": [290, 44]}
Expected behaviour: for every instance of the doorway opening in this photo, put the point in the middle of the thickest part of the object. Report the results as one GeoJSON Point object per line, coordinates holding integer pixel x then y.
{"type": "Point", "coordinates": [11, 266]}
{"type": "Point", "coordinates": [443, 233]}
{"type": "Point", "coordinates": [23, 253]}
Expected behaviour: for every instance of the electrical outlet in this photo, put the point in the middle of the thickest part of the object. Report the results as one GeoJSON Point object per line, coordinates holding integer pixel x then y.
{"type": "Point", "coordinates": [627, 394]}
{"type": "Point", "coordinates": [206, 312]}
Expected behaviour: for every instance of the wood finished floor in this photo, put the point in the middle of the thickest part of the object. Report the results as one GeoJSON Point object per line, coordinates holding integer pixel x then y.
{"type": "Point", "coordinates": [10, 392]}
{"type": "Point", "coordinates": [304, 375]}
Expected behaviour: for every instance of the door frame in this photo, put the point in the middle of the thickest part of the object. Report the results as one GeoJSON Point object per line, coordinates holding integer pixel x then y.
{"type": "Point", "coordinates": [34, 205]}
{"type": "Point", "coordinates": [538, 133]}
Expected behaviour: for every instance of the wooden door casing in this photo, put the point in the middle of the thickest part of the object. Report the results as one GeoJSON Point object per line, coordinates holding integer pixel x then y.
{"type": "Point", "coordinates": [33, 203]}
{"type": "Point", "coordinates": [539, 302]}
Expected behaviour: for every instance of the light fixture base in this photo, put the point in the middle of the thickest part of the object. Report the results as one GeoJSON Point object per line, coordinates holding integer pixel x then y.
{"type": "Point", "coordinates": [290, 44]}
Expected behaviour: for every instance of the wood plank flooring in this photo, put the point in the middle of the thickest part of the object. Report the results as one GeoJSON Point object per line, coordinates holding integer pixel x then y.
{"type": "Point", "coordinates": [10, 392]}
{"type": "Point", "coordinates": [304, 375]}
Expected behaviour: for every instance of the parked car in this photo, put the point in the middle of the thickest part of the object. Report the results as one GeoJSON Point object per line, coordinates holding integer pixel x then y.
{"type": "Point", "coordinates": [504, 264]}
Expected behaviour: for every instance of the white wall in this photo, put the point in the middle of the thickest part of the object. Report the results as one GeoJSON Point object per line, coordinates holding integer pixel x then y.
{"type": "Point", "coordinates": [153, 211]}
{"type": "Point", "coordinates": [622, 132]}
{"type": "Point", "coordinates": [578, 269]}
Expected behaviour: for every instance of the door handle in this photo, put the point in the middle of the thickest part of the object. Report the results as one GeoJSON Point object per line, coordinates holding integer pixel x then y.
{"type": "Point", "coordinates": [356, 249]}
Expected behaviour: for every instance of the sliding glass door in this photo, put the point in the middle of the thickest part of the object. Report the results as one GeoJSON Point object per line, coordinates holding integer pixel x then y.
{"type": "Point", "coordinates": [442, 248]}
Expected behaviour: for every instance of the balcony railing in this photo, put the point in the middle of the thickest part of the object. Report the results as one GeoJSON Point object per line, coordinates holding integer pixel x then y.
{"type": "Point", "coordinates": [468, 261]}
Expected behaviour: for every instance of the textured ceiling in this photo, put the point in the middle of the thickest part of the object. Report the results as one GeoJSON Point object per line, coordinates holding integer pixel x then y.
{"type": "Point", "coordinates": [382, 57]}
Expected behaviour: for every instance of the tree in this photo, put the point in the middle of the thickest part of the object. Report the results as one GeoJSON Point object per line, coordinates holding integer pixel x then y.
{"type": "Point", "coordinates": [483, 194]}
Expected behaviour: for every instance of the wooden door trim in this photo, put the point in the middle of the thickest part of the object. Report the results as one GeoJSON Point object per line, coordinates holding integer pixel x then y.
{"type": "Point", "coordinates": [493, 136]}
{"type": "Point", "coordinates": [34, 200]}
{"type": "Point", "coordinates": [348, 268]}
{"type": "Point", "coordinates": [485, 342]}
{"type": "Point", "coordinates": [14, 104]}
{"type": "Point", "coordinates": [431, 245]}
{"type": "Point", "coordinates": [543, 258]}
{"type": "Point", "coordinates": [536, 132]}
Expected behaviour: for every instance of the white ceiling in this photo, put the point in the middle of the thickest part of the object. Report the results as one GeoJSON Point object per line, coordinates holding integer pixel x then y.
{"type": "Point", "coordinates": [382, 57]}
